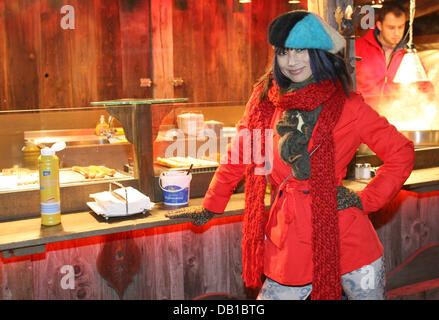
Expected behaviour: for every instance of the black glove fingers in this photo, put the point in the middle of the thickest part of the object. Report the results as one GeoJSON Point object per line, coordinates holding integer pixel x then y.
{"type": "Point", "coordinates": [347, 198]}
{"type": "Point", "coordinates": [199, 215]}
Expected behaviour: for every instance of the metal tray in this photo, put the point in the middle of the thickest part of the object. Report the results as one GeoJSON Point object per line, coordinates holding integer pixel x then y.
{"type": "Point", "coordinates": [423, 138]}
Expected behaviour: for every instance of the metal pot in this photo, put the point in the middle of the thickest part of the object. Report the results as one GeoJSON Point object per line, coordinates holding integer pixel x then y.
{"type": "Point", "coordinates": [423, 138]}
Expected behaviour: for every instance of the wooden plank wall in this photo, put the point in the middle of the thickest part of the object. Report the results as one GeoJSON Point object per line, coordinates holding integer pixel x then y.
{"type": "Point", "coordinates": [175, 262]}
{"type": "Point", "coordinates": [221, 48]}
{"type": "Point", "coordinates": [407, 224]}
{"type": "Point", "coordinates": [43, 65]}
{"type": "Point", "coordinates": [218, 48]}
{"type": "Point", "coordinates": [21, 20]}
{"type": "Point", "coordinates": [3, 97]}
{"type": "Point", "coordinates": [52, 56]}
{"type": "Point", "coordinates": [162, 48]}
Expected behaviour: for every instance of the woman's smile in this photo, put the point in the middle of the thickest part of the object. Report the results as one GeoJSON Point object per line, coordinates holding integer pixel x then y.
{"type": "Point", "coordinates": [296, 71]}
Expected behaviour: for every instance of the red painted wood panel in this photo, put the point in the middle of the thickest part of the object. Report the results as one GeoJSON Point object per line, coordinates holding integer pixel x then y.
{"type": "Point", "coordinates": [173, 262]}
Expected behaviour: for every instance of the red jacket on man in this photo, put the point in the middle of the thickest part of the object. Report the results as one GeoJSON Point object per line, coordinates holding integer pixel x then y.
{"type": "Point", "coordinates": [374, 78]}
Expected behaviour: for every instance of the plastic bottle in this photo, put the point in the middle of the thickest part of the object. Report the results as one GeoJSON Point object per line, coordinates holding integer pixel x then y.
{"type": "Point", "coordinates": [50, 202]}
{"type": "Point", "coordinates": [102, 127]}
{"type": "Point", "coordinates": [31, 152]}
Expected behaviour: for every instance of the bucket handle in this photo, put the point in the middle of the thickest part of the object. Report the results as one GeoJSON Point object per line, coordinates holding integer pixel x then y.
{"type": "Point", "coordinates": [172, 191]}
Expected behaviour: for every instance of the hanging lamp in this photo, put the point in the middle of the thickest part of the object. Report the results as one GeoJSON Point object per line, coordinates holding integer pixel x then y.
{"type": "Point", "coordinates": [411, 69]}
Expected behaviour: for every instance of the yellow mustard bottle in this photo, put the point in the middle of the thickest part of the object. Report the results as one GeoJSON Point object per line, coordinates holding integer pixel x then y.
{"type": "Point", "coordinates": [50, 202]}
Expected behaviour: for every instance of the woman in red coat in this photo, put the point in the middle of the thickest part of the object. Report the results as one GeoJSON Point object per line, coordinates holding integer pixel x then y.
{"type": "Point", "coordinates": [318, 238]}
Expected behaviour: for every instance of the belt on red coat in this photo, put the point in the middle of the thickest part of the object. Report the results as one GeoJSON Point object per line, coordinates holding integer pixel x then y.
{"type": "Point", "coordinates": [279, 220]}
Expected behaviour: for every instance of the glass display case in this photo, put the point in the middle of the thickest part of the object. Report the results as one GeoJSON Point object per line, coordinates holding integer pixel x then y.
{"type": "Point", "coordinates": [174, 136]}
{"type": "Point", "coordinates": [89, 161]}
{"type": "Point", "coordinates": [131, 141]}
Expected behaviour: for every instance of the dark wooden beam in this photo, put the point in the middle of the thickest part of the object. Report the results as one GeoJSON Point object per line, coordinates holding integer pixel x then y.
{"type": "Point", "coordinates": [425, 7]}
{"type": "Point", "coordinates": [426, 39]}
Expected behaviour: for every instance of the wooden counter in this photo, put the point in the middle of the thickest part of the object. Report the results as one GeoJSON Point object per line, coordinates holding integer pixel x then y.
{"type": "Point", "coordinates": [27, 236]}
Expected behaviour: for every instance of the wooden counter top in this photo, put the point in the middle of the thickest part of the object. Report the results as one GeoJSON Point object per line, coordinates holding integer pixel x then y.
{"type": "Point", "coordinates": [423, 180]}
{"type": "Point", "coordinates": [23, 237]}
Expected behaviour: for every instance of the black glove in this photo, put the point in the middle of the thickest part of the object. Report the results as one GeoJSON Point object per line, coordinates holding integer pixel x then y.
{"type": "Point", "coordinates": [199, 215]}
{"type": "Point", "coordinates": [347, 198]}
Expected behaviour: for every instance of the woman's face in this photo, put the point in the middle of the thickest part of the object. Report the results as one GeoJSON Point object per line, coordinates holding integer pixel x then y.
{"type": "Point", "coordinates": [294, 64]}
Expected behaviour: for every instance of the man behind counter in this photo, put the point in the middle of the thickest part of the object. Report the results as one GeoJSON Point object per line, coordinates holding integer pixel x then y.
{"type": "Point", "coordinates": [381, 51]}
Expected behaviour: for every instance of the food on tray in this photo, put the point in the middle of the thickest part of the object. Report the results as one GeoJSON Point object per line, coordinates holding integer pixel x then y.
{"type": "Point", "coordinates": [94, 172]}
{"type": "Point", "coordinates": [168, 162]}
{"type": "Point", "coordinates": [29, 178]}
{"type": "Point", "coordinates": [179, 162]}
{"type": "Point", "coordinates": [10, 171]}
{"type": "Point", "coordinates": [23, 176]}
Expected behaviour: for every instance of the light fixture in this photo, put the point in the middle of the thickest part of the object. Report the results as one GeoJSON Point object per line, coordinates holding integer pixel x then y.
{"type": "Point", "coordinates": [377, 4]}
{"type": "Point", "coordinates": [294, 1]}
{"type": "Point", "coordinates": [245, 1]}
{"type": "Point", "coordinates": [411, 69]}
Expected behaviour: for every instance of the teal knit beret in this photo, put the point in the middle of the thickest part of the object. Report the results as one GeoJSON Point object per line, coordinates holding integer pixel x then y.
{"type": "Point", "coordinates": [304, 30]}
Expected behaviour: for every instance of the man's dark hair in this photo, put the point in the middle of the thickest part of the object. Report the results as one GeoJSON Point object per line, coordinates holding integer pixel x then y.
{"type": "Point", "coordinates": [391, 7]}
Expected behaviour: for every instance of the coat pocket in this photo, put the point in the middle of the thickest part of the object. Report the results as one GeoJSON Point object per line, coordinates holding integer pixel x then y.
{"type": "Point", "coordinates": [303, 220]}
{"type": "Point", "coordinates": [347, 219]}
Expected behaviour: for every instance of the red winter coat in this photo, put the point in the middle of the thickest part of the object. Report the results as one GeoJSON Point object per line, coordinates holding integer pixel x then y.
{"type": "Point", "coordinates": [288, 248]}
{"type": "Point", "coordinates": [373, 76]}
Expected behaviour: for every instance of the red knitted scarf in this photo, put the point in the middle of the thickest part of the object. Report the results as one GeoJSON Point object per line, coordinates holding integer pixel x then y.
{"type": "Point", "coordinates": [325, 235]}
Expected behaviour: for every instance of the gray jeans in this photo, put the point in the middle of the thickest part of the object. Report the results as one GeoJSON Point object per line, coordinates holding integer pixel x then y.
{"type": "Point", "coordinates": [366, 283]}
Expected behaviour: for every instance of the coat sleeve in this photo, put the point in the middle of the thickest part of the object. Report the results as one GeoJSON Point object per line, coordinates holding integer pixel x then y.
{"type": "Point", "coordinates": [230, 173]}
{"type": "Point", "coordinates": [393, 148]}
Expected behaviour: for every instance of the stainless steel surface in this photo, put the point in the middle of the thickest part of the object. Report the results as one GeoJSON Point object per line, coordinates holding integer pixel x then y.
{"type": "Point", "coordinates": [72, 137]}
{"type": "Point", "coordinates": [423, 138]}
{"type": "Point", "coordinates": [56, 133]}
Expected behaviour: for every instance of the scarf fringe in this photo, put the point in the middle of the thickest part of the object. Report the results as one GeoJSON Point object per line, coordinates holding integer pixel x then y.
{"type": "Point", "coordinates": [253, 231]}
